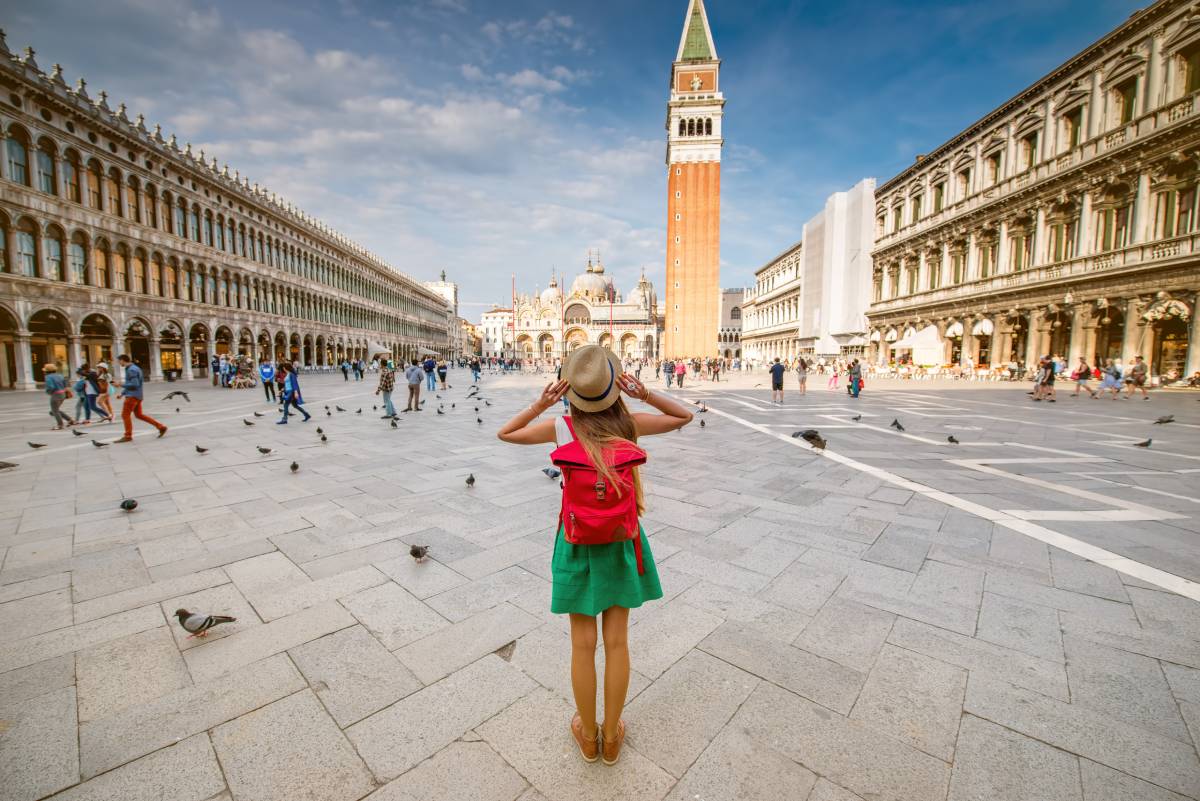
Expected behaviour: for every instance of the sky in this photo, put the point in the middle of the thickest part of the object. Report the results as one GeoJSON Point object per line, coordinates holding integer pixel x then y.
{"type": "Point", "coordinates": [493, 137]}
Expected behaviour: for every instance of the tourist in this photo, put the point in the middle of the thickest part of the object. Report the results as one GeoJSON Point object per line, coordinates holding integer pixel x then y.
{"type": "Point", "coordinates": [1110, 380]}
{"type": "Point", "coordinates": [387, 383]}
{"type": "Point", "coordinates": [1082, 375]}
{"type": "Point", "coordinates": [680, 372]}
{"type": "Point", "coordinates": [345, 370]}
{"type": "Point", "coordinates": [441, 372]}
{"type": "Point", "coordinates": [83, 412]}
{"type": "Point", "coordinates": [855, 378]}
{"type": "Point", "coordinates": [1136, 380]}
{"type": "Point", "coordinates": [131, 391]}
{"type": "Point", "coordinates": [56, 388]}
{"type": "Point", "coordinates": [475, 368]}
{"type": "Point", "coordinates": [668, 371]}
{"type": "Point", "coordinates": [429, 366]}
{"type": "Point", "coordinates": [91, 389]}
{"type": "Point", "coordinates": [599, 579]}
{"type": "Point", "coordinates": [802, 374]}
{"type": "Point", "coordinates": [214, 369]}
{"type": "Point", "coordinates": [716, 370]}
{"type": "Point", "coordinates": [777, 371]}
{"type": "Point", "coordinates": [291, 394]}
{"type": "Point", "coordinates": [832, 383]}
{"type": "Point", "coordinates": [414, 375]}
{"type": "Point", "coordinates": [104, 382]}
{"type": "Point", "coordinates": [266, 371]}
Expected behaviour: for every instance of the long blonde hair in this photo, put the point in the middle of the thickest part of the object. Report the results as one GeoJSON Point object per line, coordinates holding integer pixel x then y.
{"type": "Point", "coordinates": [596, 430]}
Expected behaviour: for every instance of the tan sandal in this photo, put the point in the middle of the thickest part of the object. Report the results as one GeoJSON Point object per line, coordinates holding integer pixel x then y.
{"type": "Point", "coordinates": [588, 749]}
{"type": "Point", "coordinates": [611, 749]}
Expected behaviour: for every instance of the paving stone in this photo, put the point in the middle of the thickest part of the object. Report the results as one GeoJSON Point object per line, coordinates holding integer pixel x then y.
{"type": "Point", "coordinates": [421, 579]}
{"type": "Point", "coordinates": [1102, 783]}
{"type": "Point", "coordinates": [1166, 612]}
{"type": "Point", "coordinates": [544, 654]}
{"type": "Point", "coordinates": [290, 749]}
{"type": "Point", "coordinates": [1017, 549]}
{"type": "Point", "coordinates": [826, 790]}
{"type": "Point", "coordinates": [979, 657]}
{"type": "Point", "coordinates": [73, 638]}
{"type": "Point", "coordinates": [220, 600]}
{"type": "Point", "coordinates": [769, 556]}
{"type": "Point", "coordinates": [1026, 627]}
{"type": "Point", "coordinates": [916, 699]}
{"type": "Point", "coordinates": [265, 575]}
{"type": "Point", "coordinates": [665, 635]}
{"type": "Point", "coordinates": [1087, 733]}
{"type": "Point", "coordinates": [824, 681]}
{"type": "Point", "coordinates": [1127, 686]}
{"type": "Point", "coordinates": [148, 594]}
{"type": "Point", "coordinates": [847, 632]}
{"type": "Point", "coordinates": [459, 772]}
{"type": "Point", "coordinates": [37, 679]}
{"type": "Point", "coordinates": [393, 616]}
{"type": "Point", "coordinates": [140, 729]}
{"type": "Point", "coordinates": [736, 765]}
{"type": "Point", "coordinates": [1184, 682]}
{"type": "Point", "coordinates": [710, 570]}
{"type": "Point", "coordinates": [187, 771]}
{"type": "Point", "coordinates": [35, 615]}
{"type": "Point", "coordinates": [443, 546]}
{"type": "Point", "coordinates": [1079, 575]}
{"type": "Point", "coordinates": [456, 646]}
{"type": "Point", "coordinates": [353, 674]}
{"type": "Point", "coordinates": [505, 555]}
{"type": "Point", "coordinates": [1086, 605]}
{"type": "Point", "coordinates": [1132, 637]}
{"type": "Point", "coordinates": [123, 673]}
{"type": "Point", "coordinates": [685, 708]}
{"type": "Point", "coordinates": [171, 548]}
{"type": "Point", "coordinates": [802, 587]}
{"type": "Point", "coordinates": [729, 604]}
{"type": "Point", "coordinates": [107, 572]}
{"type": "Point", "coordinates": [469, 599]}
{"type": "Point", "coordinates": [312, 593]}
{"type": "Point", "coordinates": [39, 742]}
{"type": "Point", "coordinates": [360, 557]}
{"type": "Point", "coordinates": [312, 544]}
{"type": "Point", "coordinates": [847, 752]}
{"type": "Point", "coordinates": [532, 735]}
{"type": "Point", "coordinates": [34, 586]}
{"type": "Point", "coordinates": [213, 659]}
{"type": "Point", "coordinates": [409, 731]}
{"type": "Point", "coordinates": [899, 550]}
{"type": "Point", "coordinates": [1000, 765]}
{"type": "Point", "coordinates": [215, 558]}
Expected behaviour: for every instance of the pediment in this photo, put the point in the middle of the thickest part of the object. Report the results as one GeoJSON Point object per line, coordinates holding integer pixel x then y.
{"type": "Point", "coordinates": [1188, 34]}
{"type": "Point", "coordinates": [1130, 63]}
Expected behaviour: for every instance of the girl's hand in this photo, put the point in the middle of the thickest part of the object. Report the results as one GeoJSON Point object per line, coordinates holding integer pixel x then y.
{"type": "Point", "coordinates": [633, 388]}
{"type": "Point", "coordinates": [551, 395]}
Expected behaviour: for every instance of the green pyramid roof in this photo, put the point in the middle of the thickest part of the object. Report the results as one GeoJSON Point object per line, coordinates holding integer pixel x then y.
{"type": "Point", "coordinates": [695, 40]}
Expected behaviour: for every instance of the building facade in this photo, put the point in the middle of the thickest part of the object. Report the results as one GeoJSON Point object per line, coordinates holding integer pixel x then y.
{"type": "Point", "coordinates": [771, 308]}
{"type": "Point", "coordinates": [115, 240]}
{"type": "Point", "coordinates": [496, 341]}
{"type": "Point", "coordinates": [729, 335]}
{"type": "Point", "coordinates": [1062, 223]}
{"type": "Point", "coordinates": [694, 141]}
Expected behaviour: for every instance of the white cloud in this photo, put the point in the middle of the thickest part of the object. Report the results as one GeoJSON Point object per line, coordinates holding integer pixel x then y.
{"type": "Point", "coordinates": [532, 80]}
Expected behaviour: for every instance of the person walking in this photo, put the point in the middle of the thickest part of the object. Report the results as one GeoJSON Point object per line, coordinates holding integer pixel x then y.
{"type": "Point", "coordinates": [387, 383]}
{"type": "Point", "coordinates": [83, 412]}
{"type": "Point", "coordinates": [475, 368]}
{"type": "Point", "coordinates": [1083, 374]}
{"type": "Point", "coordinates": [441, 372]}
{"type": "Point", "coordinates": [716, 370]}
{"type": "Point", "coordinates": [1110, 380]}
{"type": "Point", "coordinates": [777, 371]}
{"type": "Point", "coordinates": [56, 389]}
{"type": "Point", "coordinates": [597, 446]}
{"type": "Point", "coordinates": [1136, 380]}
{"type": "Point", "coordinates": [833, 377]}
{"type": "Point", "coordinates": [91, 389]}
{"type": "Point", "coordinates": [429, 365]}
{"type": "Point", "coordinates": [292, 399]}
{"type": "Point", "coordinates": [802, 375]}
{"type": "Point", "coordinates": [668, 371]}
{"type": "Point", "coordinates": [414, 375]}
{"type": "Point", "coordinates": [855, 378]}
{"type": "Point", "coordinates": [266, 372]}
{"type": "Point", "coordinates": [680, 372]}
{"type": "Point", "coordinates": [104, 382]}
{"type": "Point", "coordinates": [131, 391]}
{"type": "Point", "coordinates": [345, 370]}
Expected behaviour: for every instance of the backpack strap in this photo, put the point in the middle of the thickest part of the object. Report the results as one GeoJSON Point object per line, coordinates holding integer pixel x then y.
{"type": "Point", "coordinates": [564, 432]}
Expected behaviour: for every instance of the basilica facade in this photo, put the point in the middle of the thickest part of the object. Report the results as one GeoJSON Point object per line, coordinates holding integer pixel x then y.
{"type": "Point", "coordinates": [114, 239]}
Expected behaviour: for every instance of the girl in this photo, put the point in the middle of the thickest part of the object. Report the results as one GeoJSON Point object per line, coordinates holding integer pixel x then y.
{"type": "Point", "coordinates": [107, 390]}
{"type": "Point", "coordinates": [291, 394]}
{"type": "Point", "coordinates": [592, 579]}
{"type": "Point", "coordinates": [833, 379]}
{"type": "Point", "coordinates": [802, 374]}
{"type": "Point", "coordinates": [442, 367]}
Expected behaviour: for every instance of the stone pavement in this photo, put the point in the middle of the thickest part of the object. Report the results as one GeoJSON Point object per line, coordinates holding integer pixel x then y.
{"type": "Point", "coordinates": [896, 618]}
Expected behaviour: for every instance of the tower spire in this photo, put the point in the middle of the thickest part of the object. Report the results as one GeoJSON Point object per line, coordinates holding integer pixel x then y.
{"type": "Point", "coordinates": [696, 43]}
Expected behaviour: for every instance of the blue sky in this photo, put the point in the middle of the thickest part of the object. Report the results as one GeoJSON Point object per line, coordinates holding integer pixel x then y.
{"type": "Point", "coordinates": [491, 137]}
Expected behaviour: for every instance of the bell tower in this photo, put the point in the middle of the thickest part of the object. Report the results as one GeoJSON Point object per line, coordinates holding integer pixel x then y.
{"type": "Point", "coordinates": [694, 111]}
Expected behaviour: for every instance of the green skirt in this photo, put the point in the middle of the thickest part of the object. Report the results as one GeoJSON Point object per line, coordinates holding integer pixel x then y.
{"type": "Point", "coordinates": [590, 578]}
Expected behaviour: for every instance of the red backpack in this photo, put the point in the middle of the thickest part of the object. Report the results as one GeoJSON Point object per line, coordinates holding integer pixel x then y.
{"type": "Point", "coordinates": [592, 511]}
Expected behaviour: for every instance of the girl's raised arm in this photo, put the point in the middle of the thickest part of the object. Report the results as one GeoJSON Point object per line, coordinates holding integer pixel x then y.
{"type": "Point", "coordinates": [522, 430]}
{"type": "Point", "coordinates": [672, 414]}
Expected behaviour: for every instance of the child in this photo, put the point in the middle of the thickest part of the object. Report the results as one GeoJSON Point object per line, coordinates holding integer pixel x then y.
{"type": "Point", "coordinates": [612, 577]}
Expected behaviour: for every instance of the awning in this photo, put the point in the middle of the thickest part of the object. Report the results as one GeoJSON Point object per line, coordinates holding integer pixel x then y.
{"type": "Point", "coordinates": [874, 336]}
{"type": "Point", "coordinates": [374, 348]}
{"type": "Point", "coordinates": [983, 328]}
{"type": "Point", "coordinates": [955, 329]}
{"type": "Point", "coordinates": [891, 335]}
{"type": "Point", "coordinates": [908, 332]}
{"type": "Point", "coordinates": [424, 351]}
{"type": "Point", "coordinates": [925, 338]}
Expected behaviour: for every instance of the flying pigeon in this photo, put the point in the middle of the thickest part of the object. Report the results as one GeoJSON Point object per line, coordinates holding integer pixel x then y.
{"type": "Point", "coordinates": [1166, 418]}
{"type": "Point", "coordinates": [418, 552]}
{"type": "Point", "coordinates": [99, 444]}
{"type": "Point", "coordinates": [1145, 444]}
{"type": "Point", "coordinates": [476, 410]}
{"type": "Point", "coordinates": [263, 451]}
{"type": "Point", "coordinates": [552, 472]}
{"type": "Point", "coordinates": [896, 425]}
{"type": "Point", "coordinates": [952, 440]}
{"type": "Point", "coordinates": [201, 450]}
{"type": "Point", "coordinates": [197, 625]}
{"type": "Point", "coordinates": [471, 480]}
{"type": "Point", "coordinates": [326, 407]}
{"type": "Point", "coordinates": [374, 407]}
{"type": "Point", "coordinates": [6, 465]}
{"type": "Point", "coordinates": [295, 466]}
{"type": "Point", "coordinates": [856, 418]}
{"type": "Point", "coordinates": [393, 424]}
{"type": "Point", "coordinates": [328, 413]}
{"type": "Point", "coordinates": [258, 414]}
{"type": "Point", "coordinates": [129, 504]}
{"type": "Point", "coordinates": [439, 397]}
{"type": "Point", "coordinates": [77, 433]}
{"type": "Point", "coordinates": [177, 393]}
{"type": "Point", "coordinates": [814, 438]}
{"type": "Point", "coordinates": [36, 445]}
{"type": "Point", "coordinates": [339, 408]}
{"type": "Point", "coordinates": [247, 422]}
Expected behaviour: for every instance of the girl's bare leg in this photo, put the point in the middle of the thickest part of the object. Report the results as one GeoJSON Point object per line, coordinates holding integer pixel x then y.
{"type": "Point", "coordinates": [616, 666]}
{"type": "Point", "coordinates": [583, 670]}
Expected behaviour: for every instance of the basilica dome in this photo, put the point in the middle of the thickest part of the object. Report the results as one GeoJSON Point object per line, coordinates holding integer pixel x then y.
{"type": "Point", "coordinates": [593, 283]}
{"type": "Point", "coordinates": [551, 294]}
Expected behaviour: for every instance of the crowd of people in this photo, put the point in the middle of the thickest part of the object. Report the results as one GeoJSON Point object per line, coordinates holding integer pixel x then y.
{"type": "Point", "coordinates": [94, 390]}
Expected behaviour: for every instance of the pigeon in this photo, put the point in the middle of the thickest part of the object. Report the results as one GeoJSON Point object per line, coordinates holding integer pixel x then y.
{"type": "Point", "coordinates": [896, 425]}
{"type": "Point", "coordinates": [471, 480]}
{"type": "Point", "coordinates": [323, 438]}
{"type": "Point", "coordinates": [320, 430]}
{"type": "Point", "coordinates": [814, 438]}
{"type": "Point", "coordinates": [702, 424]}
{"type": "Point", "coordinates": [952, 440]}
{"type": "Point", "coordinates": [1145, 444]}
{"type": "Point", "coordinates": [326, 407]}
{"type": "Point", "coordinates": [247, 422]}
{"type": "Point", "coordinates": [756, 386]}
{"type": "Point", "coordinates": [476, 410]}
{"type": "Point", "coordinates": [487, 403]}
{"type": "Point", "coordinates": [452, 406]}
{"type": "Point", "coordinates": [439, 397]}
{"type": "Point", "coordinates": [129, 504]}
{"type": "Point", "coordinates": [201, 450]}
{"type": "Point", "coordinates": [1166, 418]}
{"type": "Point", "coordinates": [328, 414]}
{"type": "Point", "coordinates": [394, 424]}
{"type": "Point", "coordinates": [703, 409]}
{"type": "Point", "coordinates": [6, 465]}
{"type": "Point", "coordinates": [439, 411]}
{"type": "Point", "coordinates": [36, 445]}
{"type": "Point", "coordinates": [197, 625]}
{"type": "Point", "coordinates": [77, 433]}
{"type": "Point", "coordinates": [374, 407]}
{"type": "Point", "coordinates": [479, 420]}
{"type": "Point", "coordinates": [339, 408]}
{"type": "Point", "coordinates": [359, 411]}
{"type": "Point", "coordinates": [856, 418]}
{"type": "Point", "coordinates": [422, 401]}
{"type": "Point", "coordinates": [263, 451]}
{"type": "Point", "coordinates": [177, 393]}
{"type": "Point", "coordinates": [99, 444]}
{"type": "Point", "coordinates": [177, 410]}
{"type": "Point", "coordinates": [418, 552]}
{"type": "Point", "coordinates": [552, 472]}
{"type": "Point", "coordinates": [294, 466]}
{"type": "Point", "coordinates": [258, 414]}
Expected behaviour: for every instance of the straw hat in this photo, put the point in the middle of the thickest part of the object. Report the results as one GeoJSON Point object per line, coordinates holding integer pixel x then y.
{"type": "Point", "coordinates": [592, 373]}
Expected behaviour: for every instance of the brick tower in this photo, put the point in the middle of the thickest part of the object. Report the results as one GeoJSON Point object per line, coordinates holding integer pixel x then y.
{"type": "Point", "coordinates": [694, 143]}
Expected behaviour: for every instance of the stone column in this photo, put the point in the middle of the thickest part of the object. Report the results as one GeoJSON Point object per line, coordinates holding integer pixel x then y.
{"type": "Point", "coordinates": [11, 240]}
{"type": "Point", "coordinates": [1075, 344]}
{"type": "Point", "coordinates": [994, 356]}
{"type": "Point", "coordinates": [1151, 97]}
{"type": "Point", "coordinates": [1090, 326]}
{"type": "Point", "coordinates": [1095, 109]}
{"type": "Point", "coordinates": [922, 272]}
{"type": "Point", "coordinates": [4, 157]}
{"type": "Point", "coordinates": [24, 359]}
{"type": "Point", "coordinates": [114, 364]}
{"type": "Point", "coordinates": [210, 352]}
{"type": "Point", "coordinates": [1193, 351]}
{"type": "Point", "coordinates": [971, 269]}
{"type": "Point", "coordinates": [1142, 219]}
{"type": "Point", "coordinates": [1131, 338]}
{"type": "Point", "coordinates": [1002, 249]}
{"type": "Point", "coordinates": [156, 371]}
{"type": "Point", "coordinates": [185, 353]}
{"type": "Point", "coordinates": [1038, 253]}
{"type": "Point", "coordinates": [1084, 243]}
{"type": "Point", "coordinates": [1033, 340]}
{"type": "Point", "coordinates": [75, 355]}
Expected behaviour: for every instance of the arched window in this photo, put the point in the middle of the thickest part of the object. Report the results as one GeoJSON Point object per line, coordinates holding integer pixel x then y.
{"type": "Point", "coordinates": [181, 219]}
{"type": "Point", "coordinates": [691, 127]}
{"type": "Point", "coordinates": [194, 224]}
{"type": "Point", "coordinates": [682, 127]}
{"type": "Point", "coordinates": [133, 199]}
{"type": "Point", "coordinates": [47, 180]}
{"type": "Point", "coordinates": [94, 179]}
{"type": "Point", "coordinates": [232, 238]}
{"type": "Point", "coordinates": [708, 127]}
{"type": "Point", "coordinates": [138, 268]}
{"type": "Point", "coordinates": [54, 254]}
{"type": "Point", "coordinates": [156, 269]}
{"type": "Point", "coordinates": [208, 229]}
{"type": "Point", "coordinates": [18, 159]}
{"type": "Point", "coordinates": [172, 285]}
{"type": "Point", "coordinates": [219, 234]}
{"type": "Point", "coordinates": [71, 178]}
{"type": "Point", "coordinates": [151, 206]}
{"type": "Point", "coordinates": [735, 313]}
{"type": "Point", "coordinates": [112, 185]}
{"type": "Point", "coordinates": [77, 259]}
{"type": "Point", "coordinates": [119, 265]}
{"type": "Point", "coordinates": [26, 249]}
{"type": "Point", "coordinates": [100, 263]}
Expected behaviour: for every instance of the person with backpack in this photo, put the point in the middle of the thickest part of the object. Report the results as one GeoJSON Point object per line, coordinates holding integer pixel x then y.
{"type": "Point", "coordinates": [429, 365]}
{"type": "Point", "coordinates": [601, 562]}
{"type": "Point", "coordinates": [266, 371]}
{"type": "Point", "coordinates": [292, 399]}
